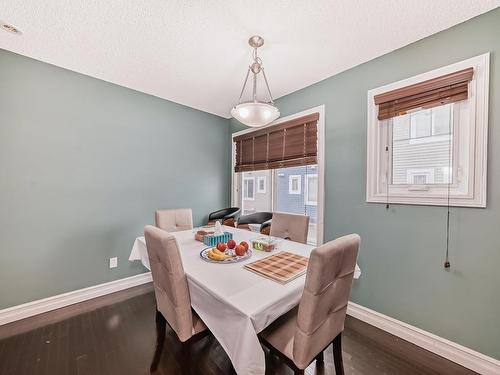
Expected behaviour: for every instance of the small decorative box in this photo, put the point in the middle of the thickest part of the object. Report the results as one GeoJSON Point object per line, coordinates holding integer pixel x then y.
{"type": "Point", "coordinates": [265, 243]}
{"type": "Point", "coordinates": [201, 234]}
{"type": "Point", "coordinates": [212, 239]}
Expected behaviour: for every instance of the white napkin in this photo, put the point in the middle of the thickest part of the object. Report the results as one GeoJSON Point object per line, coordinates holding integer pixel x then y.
{"type": "Point", "coordinates": [218, 229]}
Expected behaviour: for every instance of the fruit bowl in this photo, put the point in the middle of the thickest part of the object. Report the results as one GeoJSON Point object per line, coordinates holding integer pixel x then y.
{"type": "Point", "coordinates": [207, 254]}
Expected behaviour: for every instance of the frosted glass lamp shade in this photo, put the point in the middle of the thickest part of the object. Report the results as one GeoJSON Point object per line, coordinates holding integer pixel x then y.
{"type": "Point", "coordinates": [255, 114]}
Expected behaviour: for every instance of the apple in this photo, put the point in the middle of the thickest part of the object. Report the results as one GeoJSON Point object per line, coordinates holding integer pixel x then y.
{"type": "Point", "coordinates": [244, 244]}
{"type": "Point", "coordinates": [240, 250]}
{"type": "Point", "coordinates": [221, 246]}
{"type": "Point", "coordinates": [231, 244]}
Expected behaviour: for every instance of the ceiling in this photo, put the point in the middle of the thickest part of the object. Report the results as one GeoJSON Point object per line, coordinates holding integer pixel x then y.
{"type": "Point", "coordinates": [196, 52]}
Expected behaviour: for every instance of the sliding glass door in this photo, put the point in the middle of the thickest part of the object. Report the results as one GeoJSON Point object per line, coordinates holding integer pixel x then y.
{"type": "Point", "coordinates": [260, 184]}
{"type": "Point", "coordinates": [293, 190]}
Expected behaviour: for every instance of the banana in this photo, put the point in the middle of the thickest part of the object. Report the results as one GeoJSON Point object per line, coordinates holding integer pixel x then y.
{"type": "Point", "coordinates": [215, 254]}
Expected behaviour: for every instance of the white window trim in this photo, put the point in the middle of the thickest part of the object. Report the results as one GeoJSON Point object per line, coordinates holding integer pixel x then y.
{"type": "Point", "coordinates": [321, 166]}
{"type": "Point", "coordinates": [291, 190]}
{"type": "Point", "coordinates": [478, 89]}
{"type": "Point", "coordinates": [306, 190]}
{"type": "Point", "coordinates": [253, 197]}
{"type": "Point", "coordinates": [261, 178]}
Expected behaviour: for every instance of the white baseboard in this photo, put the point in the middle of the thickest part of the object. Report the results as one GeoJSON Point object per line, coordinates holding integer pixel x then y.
{"type": "Point", "coordinates": [26, 310]}
{"type": "Point", "coordinates": [445, 348]}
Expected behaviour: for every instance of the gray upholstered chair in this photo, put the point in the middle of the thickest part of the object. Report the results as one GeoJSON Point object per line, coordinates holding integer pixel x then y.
{"type": "Point", "coordinates": [173, 303]}
{"type": "Point", "coordinates": [290, 226]}
{"type": "Point", "coordinates": [174, 220]}
{"type": "Point", "coordinates": [301, 335]}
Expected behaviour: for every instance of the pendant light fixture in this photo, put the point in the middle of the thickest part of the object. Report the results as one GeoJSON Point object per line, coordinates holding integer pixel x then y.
{"type": "Point", "coordinates": [255, 113]}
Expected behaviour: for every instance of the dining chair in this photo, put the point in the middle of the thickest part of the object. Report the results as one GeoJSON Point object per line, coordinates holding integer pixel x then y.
{"type": "Point", "coordinates": [227, 216]}
{"type": "Point", "coordinates": [265, 227]}
{"type": "Point", "coordinates": [301, 335]}
{"type": "Point", "coordinates": [255, 218]}
{"type": "Point", "coordinates": [290, 226]}
{"type": "Point", "coordinates": [173, 303]}
{"type": "Point", "coordinates": [174, 220]}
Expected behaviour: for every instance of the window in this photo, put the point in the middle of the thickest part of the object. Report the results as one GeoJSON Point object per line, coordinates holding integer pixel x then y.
{"type": "Point", "coordinates": [422, 143]}
{"type": "Point", "coordinates": [418, 155]}
{"type": "Point", "coordinates": [311, 190]}
{"type": "Point", "coordinates": [277, 179]}
{"type": "Point", "coordinates": [294, 184]}
{"type": "Point", "coordinates": [261, 185]}
{"type": "Point", "coordinates": [297, 203]}
{"type": "Point", "coordinates": [253, 198]}
{"type": "Point", "coordinates": [248, 188]}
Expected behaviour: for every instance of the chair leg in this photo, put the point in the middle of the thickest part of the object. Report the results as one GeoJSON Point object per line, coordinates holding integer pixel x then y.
{"type": "Point", "coordinates": [320, 358]}
{"type": "Point", "coordinates": [186, 360]}
{"type": "Point", "coordinates": [161, 325]}
{"type": "Point", "coordinates": [337, 354]}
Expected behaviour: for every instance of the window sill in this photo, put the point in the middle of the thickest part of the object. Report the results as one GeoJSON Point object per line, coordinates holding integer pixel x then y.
{"type": "Point", "coordinates": [428, 201]}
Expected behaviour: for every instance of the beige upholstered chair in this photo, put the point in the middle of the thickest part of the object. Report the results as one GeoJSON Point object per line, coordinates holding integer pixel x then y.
{"type": "Point", "coordinates": [290, 226]}
{"type": "Point", "coordinates": [173, 303]}
{"type": "Point", "coordinates": [174, 220]}
{"type": "Point", "coordinates": [301, 335]}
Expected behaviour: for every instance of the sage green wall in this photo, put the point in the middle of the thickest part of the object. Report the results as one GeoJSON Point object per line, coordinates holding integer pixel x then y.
{"type": "Point", "coordinates": [403, 249]}
{"type": "Point", "coordinates": [83, 166]}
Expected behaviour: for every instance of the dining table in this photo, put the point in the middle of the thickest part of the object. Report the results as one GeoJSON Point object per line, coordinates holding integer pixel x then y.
{"type": "Point", "coordinates": [233, 302]}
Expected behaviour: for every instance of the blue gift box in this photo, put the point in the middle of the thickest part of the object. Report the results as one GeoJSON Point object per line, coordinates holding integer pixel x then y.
{"type": "Point", "coordinates": [212, 239]}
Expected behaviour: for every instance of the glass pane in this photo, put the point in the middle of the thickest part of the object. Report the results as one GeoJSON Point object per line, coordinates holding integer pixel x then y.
{"type": "Point", "coordinates": [401, 127]}
{"type": "Point", "coordinates": [298, 203]}
{"type": "Point", "coordinates": [426, 156]}
{"type": "Point", "coordinates": [262, 185]}
{"type": "Point", "coordinates": [312, 189]}
{"type": "Point", "coordinates": [256, 192]}
{"type": "Point", "coordinates": [420, 179]}
{"type": "Point", "coordinates": [420, 123]}
{"type": "Point", "coordinates": [441, 120]}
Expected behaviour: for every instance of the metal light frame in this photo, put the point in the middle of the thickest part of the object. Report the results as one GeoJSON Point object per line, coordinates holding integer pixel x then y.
{"type": "Point", "coordinates": [255, 68]}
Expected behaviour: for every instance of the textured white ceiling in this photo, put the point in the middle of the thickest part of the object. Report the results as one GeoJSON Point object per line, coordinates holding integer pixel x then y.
{"type": "Point", "coordinates": [196, 53]}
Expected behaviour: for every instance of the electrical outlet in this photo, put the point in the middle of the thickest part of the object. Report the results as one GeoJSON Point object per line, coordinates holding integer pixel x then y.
{"type": "Point", "coordinates": [113, 262]}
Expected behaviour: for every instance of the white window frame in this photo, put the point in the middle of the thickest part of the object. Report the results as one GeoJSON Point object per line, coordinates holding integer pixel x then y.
{"type": "Point", "coordinates": [298, 178]}
{"type": "Point", "coordinates": [474, 194]}
{"type": "Point", "coordinates": [259, 179]}
{"type": "Point", "coordinates": [235, 188]}
{"type": "Point", "coordinates": [248, 198]}
{"type": "Point", "coordinates": [306, 190]}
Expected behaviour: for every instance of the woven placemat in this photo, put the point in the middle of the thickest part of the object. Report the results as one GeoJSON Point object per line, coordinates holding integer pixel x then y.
{"type": "Point", "coordinates": [281, 267]}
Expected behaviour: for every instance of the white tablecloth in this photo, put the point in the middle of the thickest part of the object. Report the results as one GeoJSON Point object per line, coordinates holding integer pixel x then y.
{"type": "Point", "coordinates": [234, 303]}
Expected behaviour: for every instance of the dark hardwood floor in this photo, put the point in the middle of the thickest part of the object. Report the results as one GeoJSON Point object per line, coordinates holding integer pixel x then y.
{"type": "Point", "coordinates": [116, 335]}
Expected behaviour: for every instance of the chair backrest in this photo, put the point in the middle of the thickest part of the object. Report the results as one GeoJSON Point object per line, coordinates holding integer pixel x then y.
{"type": "Point", "coordinates": [169, 281]}
{"type": "Point", "coordinates": [323, 306]}
{"type": "Point", "coordinates": [174, 220]}
{"type": "Point", "coordinates": [227, 215]}
{"type": "Point", "coordinates": [255, 218]}
{"type": "Point", "coordinates": [291, 226]}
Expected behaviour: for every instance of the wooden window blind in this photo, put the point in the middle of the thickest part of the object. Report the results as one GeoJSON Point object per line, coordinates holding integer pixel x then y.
{"type": "Point", "coordinates": [434, 92]}
{"type": "Point", "coordinates": [288, 144]}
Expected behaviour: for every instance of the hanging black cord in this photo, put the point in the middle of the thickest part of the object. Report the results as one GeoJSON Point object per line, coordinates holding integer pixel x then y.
{"type": "Point", "coordinates": [447, 263]}
{"type": "Point", "coordinates": [387, 166]}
